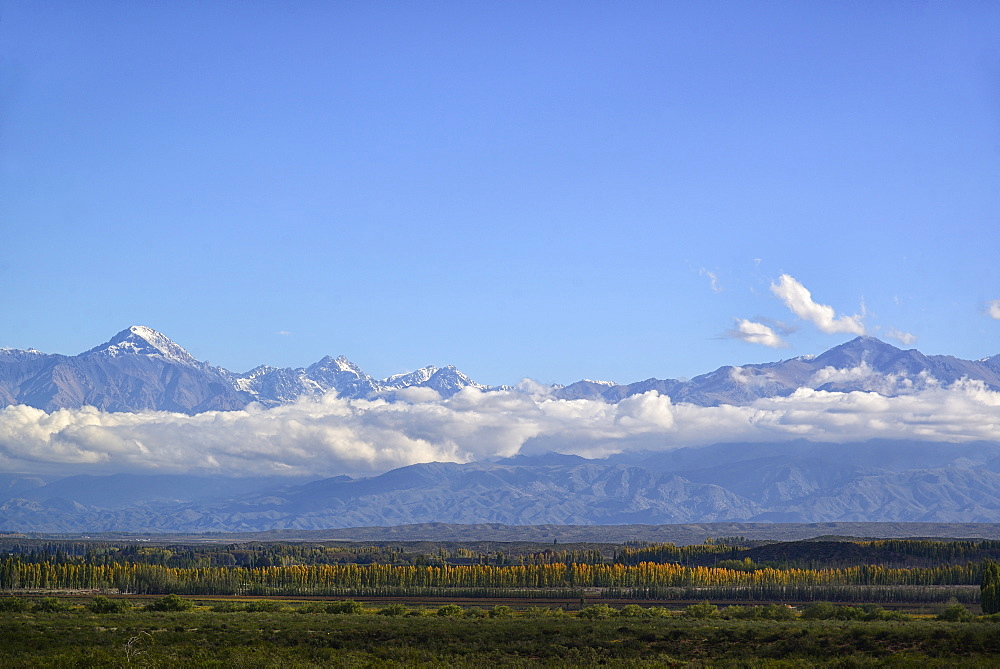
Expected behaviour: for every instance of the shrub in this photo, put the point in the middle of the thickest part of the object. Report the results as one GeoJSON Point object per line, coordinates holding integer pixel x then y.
{"type": "Point", "coordinates": [14, 604]}
{"type": "Point", "coordinates": [171, 602]}
{"type": "Point", "coordinates": [632, 611]}
{"type": "Point", "coordinates": [819, 611]}
{"type": "Point", "coordinates": [703, 610]}
{"type": "Point", "coordinates": [264, 606]}
{"type": "Point", "coordinates": [476, 612]}
{"type": "Point", "coordinates": [597, 612]}
{"type": "Point", "coordinates": [777, 612]}
{"type": "Point", "coordinates": [956, 613]}
{"type": "Point", "coordinates": [850, 613]}
{"type": "Point", "coordinates": [228, 607]}
{"type": "Point", "coordinates": [393, 610]}
{"type": "Point", "coordinates": [348, 606]}
{"type": "Point", "coordinates": [765, 612]}
{"type": "Point", "coordinates": [872, 612]}
{"type": "Point", "coordinates": [544, 612]}
{"type": "Point", "coordinates": [101, 604]}
{"type": "Point", "coordinates": [501, 611]}
{"type": "Point", "coordinates": [311, 607]}
{"type": "Point", "coordinates": [50, 605]}
{"type": "Point", "coordinates": [450, 611]}
{"type": "Point", "coordinates": [737, 612]}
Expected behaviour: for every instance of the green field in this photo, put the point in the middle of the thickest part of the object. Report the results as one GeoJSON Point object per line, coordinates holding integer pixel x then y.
{"type": "Point", "coordinates": [305, 634]}
{"type": "Point", "coordinates": [727, 602]}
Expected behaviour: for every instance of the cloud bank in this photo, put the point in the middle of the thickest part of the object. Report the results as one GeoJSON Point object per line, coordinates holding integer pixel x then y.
{"type": "Point", "coordinates": [334, 436]}
{"type": "Point", "coordinates": [799, 301]}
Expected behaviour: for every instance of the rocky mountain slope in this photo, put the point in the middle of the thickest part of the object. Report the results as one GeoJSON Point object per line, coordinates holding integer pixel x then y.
{"type": "Point", "coordinates": [798, 482]}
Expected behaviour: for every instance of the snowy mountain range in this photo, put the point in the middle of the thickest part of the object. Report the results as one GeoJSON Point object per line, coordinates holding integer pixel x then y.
{"type": "Point", "coordinates": [798, 481]}
{"type": "Point", "coordinates": [142, 369]}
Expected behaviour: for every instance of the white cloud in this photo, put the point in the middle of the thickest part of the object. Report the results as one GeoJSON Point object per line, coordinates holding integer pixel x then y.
{"type": "Point", "coordinates": [757, 333]}
{"type": "Point", "coordinates": [864, 377]}
{"type": "Point", "coordinates": [904, 338]}
{"type": "Point", "coordinates": [713, 280]}
{"type": "Point", "coordinates": [993, 309]}
{"type": "Point", "coordinates": [284, 333]}
{"type": "Point", "coordinates": [335, 436]}
{"type": "Point", "coordinates": [799, 300]}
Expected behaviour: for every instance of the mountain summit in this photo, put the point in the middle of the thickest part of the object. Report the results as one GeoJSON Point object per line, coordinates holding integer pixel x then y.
{"type": "Point", "coordinates": [143, 340]}
{"type": "Point", "coordinates": [862, 364]}
{"type": "Point", "coordinates": [142, 369]}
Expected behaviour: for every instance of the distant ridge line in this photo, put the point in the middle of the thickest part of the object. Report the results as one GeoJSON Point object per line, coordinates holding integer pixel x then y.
{"type": "Point", "coordinates": [680, 534]}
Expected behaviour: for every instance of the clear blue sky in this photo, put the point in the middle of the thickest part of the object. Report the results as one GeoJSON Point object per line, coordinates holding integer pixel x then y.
{"type": "Point", "coordinates": [554, 190]}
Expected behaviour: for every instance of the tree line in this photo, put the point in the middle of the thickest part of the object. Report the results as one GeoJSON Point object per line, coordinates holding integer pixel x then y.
{"type": "Point", "coordinates": [16, 573]}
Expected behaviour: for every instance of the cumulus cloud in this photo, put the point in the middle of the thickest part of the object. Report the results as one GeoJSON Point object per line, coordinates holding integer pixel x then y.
{"type": "Point", "coordinates": [753, 332]}
{"type": "Point", "coordinates": [993, 309]}
{"type": "Point", "coordinates": [864, 377]}
{"type": "Point", "coordinates": [333, 436]}
{"type": "Point", "coordinates": [799, 301]}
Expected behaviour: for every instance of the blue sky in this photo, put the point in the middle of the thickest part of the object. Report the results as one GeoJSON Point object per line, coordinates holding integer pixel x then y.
{"type": "Point", "coordinates": [547, 190]}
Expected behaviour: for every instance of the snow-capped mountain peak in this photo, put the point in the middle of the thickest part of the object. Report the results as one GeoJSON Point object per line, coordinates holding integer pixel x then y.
{"type": "Point", "coordinates": [143, 340]}
{"type": "Point", "coordinates": [406, 379]}
{"type": "Point", "coordinates": [19, 354]}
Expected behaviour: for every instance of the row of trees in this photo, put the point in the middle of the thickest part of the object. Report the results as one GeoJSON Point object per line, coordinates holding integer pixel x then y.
{"type": "Point", "coordinates": [334, 579]}
{"type": "Point", "coordinates": [913, 552]}
{"type": "Point", "coordinates": [894, 552]}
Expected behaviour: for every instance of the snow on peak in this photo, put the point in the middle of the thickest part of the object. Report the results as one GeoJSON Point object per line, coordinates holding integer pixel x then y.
{"type": "Point", "coordinates": [143, 340]}
{"type": "Point", "coordinates": [340, 363]}
{"type": "Point", "coordinates": [18, 354]}
{"type": "Point", "coordinates": [422, 375]}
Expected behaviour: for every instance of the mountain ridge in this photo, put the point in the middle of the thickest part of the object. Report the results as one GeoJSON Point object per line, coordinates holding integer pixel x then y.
{"type": "Point", "coordinates": [793, 482]}
{"type": "Point", "coordinates": [140, 369]}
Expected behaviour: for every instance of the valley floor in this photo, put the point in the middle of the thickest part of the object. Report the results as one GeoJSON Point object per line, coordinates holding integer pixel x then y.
{"type": "Point", "coordinates": [303, 637]}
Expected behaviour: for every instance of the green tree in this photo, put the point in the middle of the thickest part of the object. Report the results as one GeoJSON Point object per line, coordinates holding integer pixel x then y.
{"type": "Point", "coordinates": [989, 588]}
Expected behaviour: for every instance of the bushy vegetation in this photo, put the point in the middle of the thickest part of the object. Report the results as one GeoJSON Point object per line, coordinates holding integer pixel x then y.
{"type": "Point", "coordinates": [138, 603]}
{"type": "Point", "coordinates": [171, 602]}
{"type": "Point", "coordinates": [632, 635]}
{"type": "Point", "coordinates": [101, 604]}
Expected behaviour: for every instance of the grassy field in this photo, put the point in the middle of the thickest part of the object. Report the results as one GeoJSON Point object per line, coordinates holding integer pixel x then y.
{"type": "Point", "coordinates": [305, 634]}
{"type": "Point", "coordinates": [71, 603]}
